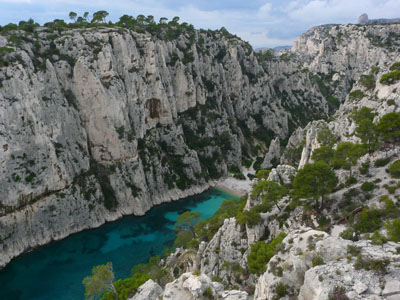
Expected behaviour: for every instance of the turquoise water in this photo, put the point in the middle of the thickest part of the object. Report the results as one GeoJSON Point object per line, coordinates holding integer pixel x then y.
{"type": "Point", "coordinates": [55, 272]}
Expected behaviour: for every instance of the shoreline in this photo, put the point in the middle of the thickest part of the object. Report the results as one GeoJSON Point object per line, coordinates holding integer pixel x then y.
{"type": "Point", "coordinates": [229, 190]}
{"type": "Point", "coordinates": [234, 186]}
{"type": "Point", "coordinates": [230, 185]}
{"type": "Point", "coordinates": [193, 191]}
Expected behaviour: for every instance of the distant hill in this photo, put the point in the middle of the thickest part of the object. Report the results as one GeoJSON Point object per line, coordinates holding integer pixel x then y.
{"type": "Point", "coordinates": [363, 19]}
{"type": "Point", "coordinates": [276, 49]}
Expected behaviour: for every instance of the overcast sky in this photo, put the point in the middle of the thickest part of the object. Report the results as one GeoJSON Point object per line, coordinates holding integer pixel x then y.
{"type": "Point", "coordinates": [264, 23]}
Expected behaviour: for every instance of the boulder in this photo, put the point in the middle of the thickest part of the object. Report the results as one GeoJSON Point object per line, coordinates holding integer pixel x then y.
{"type": "Point", "coordinates": [150, 290]}
{"type": "Point", "coordinates": [192, 287]}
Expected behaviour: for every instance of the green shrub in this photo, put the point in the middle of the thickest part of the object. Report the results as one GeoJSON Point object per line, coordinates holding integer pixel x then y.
{"type": "Point", "coordinates": [317, 260]}
{"type": "Point", "coordinates": [356, 95]}
{"type": "Point", "coordinates": [126, 287]}
{"type": "Point", "coordinates": [183, 238]}
{"type": "Point", "coordinates": [353, 250]}
{"type": "Point", "coordinates": [249, 217]}
{"type": "Point", "coordinates": [152, 269]}
{"type": "Point", "coordinates": [239, 176]}
{"type": "Point", "coordinates": [395, 66]}
{"type": "Point", "coordinates": [377, 238]}
{"type": "Point", "coordinates": [359, 263]}
{"type": "Point", "coordinates": [390, 78]}
{"type": "Point", "coordinates": [281, 291]}
{"type": "Point", "coordinates": [391, 189]}
{"type": "Point", "coordinates": [368, 81]}
{"type": "Point", "coordinates": [394, 169]}
{"type": "Point", "coordinates": [389, 127]}
{"type": "Point", "coordinates": [364, 169]}
{"type": "Point", "coordinates": [369, 220]}
{"type": "Point", "coordinates": [208, 294]}
{"type": "Point", "coordinates": [193, 244]}
{"type": "Point", "coordinates": [338, 293]}
{"type": "Point", "coordinates": [30, 177]}
{"type": "Point", "coordinates": [261, 253]}
{"type": "Point", "coordinates": [393, 230]}
{"type": "Point", "coordinates": [351, 181]}
{"type": "Point", "coordinates": [368, 186]}
{"type": "Point", "coordinates": [380, 162]}
{"type": "Point", "coordinates": [374, 70]}
{"type": "Point", "coordinates": [376, 265]}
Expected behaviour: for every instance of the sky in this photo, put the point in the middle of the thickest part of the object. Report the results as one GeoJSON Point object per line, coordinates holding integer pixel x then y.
{"type": "Point", "coordinates": [263, 23]}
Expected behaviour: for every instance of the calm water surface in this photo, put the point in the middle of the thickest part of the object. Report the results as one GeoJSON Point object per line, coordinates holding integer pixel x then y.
{"type": "Point", "coordinates": [55, 272]}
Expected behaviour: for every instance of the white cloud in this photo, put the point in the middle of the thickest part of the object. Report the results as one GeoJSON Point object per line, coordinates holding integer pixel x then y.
{"type": "Point", "coordinates": [340, 11]}
{"type": "Point", "coordinates": [260, 39]}
{"type": "Point", "coordinates": [273, 23]}
{"type": "Point", "coordinates": [15, 1]}
{"type": "Point", "coordinates": [265, 10]}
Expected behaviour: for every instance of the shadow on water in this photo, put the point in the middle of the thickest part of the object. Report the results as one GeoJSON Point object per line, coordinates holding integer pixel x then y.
{"type": "Point", "coordinates": [56, 271]}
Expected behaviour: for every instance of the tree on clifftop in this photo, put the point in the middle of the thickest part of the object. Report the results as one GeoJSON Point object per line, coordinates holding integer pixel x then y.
{"type": "Point", "coordinates": [99, 16]}
{"type": "Point", "coordinates": [72, 15]}
{"type": "Point", "coordinates": [315, 181]}
{"type": "Point", "coordinates": [269, 192]}
{"type": "Point", "coordinates": [347, 155]}
{"type": "Point", "coordinates": [389, 126]}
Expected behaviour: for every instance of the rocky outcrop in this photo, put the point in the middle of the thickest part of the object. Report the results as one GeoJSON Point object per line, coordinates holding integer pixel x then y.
{"type": "Point", "coordinates": [192, 287]}
{"type": "Point", "coordinates": [148, 291]}
{"type": "Point", "coordinates": [235, 295]}
{"type": "Point", "coordinates": [364, 20]}
{"type": "Point", "coordinates": [312, 263]}
{"type": "Point", "coordinates": [224, 252]}
{"type": "Point", "coordinates": [282, 174]}
{"type": "Point", "coordinates": [188, 287]}
{"type": "Point", "coordinates": [271, 158]}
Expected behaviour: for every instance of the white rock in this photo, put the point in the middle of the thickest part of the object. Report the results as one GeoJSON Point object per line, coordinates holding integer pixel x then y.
{"type": "Point", "coordinates": [360, 287]}
{"type": "Point", "coordinates": [235, 295]}
{"type": "Point", "coordinates": [392, 290]}
{"type": "Point", "coordinates": [150, 290]}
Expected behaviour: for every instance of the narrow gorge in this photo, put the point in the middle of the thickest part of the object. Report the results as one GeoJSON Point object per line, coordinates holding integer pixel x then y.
{"type": "Point", "coordinates": [100, 122]}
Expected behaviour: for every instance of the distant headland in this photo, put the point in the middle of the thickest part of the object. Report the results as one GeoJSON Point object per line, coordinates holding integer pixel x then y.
{"type": "Point", "coordinates": [363, 19]}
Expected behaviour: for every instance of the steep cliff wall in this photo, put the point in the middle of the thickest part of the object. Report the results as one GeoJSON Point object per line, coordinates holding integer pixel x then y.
{"type": "Point", "coordinates": [345, 54]}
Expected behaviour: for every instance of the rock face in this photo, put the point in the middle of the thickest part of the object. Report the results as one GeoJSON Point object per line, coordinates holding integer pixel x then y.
{"type": "Point", "coordinates": [274, 153]}
{"type": "Point", "coordinates": [192, 287]}
{"type": "Point", "coordinates": [282, 174]}
{"type": "Point", "coordinates": [224, 252]}
{"type": "Point", "coordinates": [148, 291]}
{"type": "Point", "coordinates": [335, 52]}
{"type": "Point", "coordinates": [311, 263]}
{"type": "Point", "coordinates": [364, 20]}
{"type": "Point", "coordinates": [103, 122]}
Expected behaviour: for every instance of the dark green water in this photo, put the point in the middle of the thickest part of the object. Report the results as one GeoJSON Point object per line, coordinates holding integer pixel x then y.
{"type": "Point", "coordinates": [55, 272]}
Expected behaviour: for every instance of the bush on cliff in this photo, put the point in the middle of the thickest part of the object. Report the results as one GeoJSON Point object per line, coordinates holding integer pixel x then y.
{"type": "Point", "coordinates": [262, 252]}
